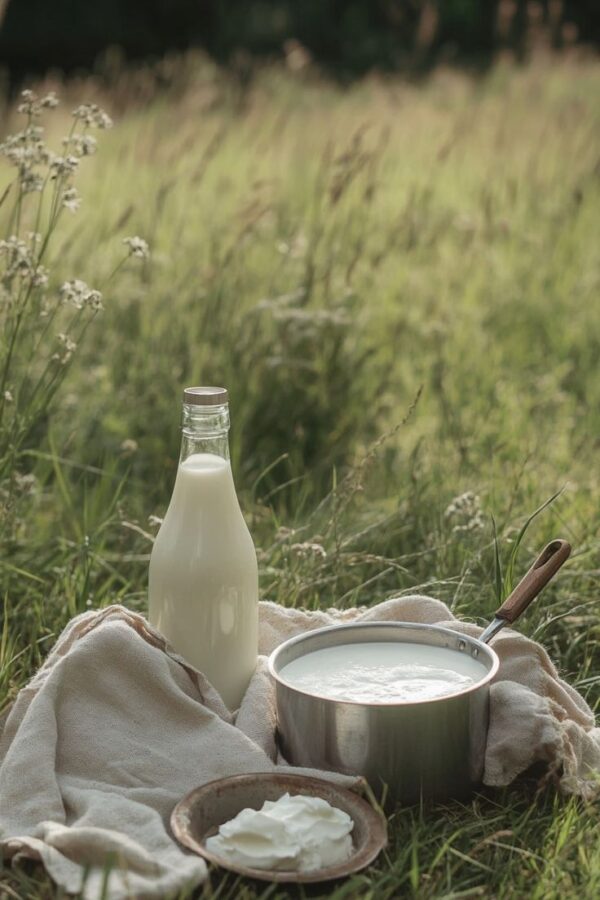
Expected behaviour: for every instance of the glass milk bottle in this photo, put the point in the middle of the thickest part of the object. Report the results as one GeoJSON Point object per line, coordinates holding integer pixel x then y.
{"type": "Point", "coordinates": [203, 587]}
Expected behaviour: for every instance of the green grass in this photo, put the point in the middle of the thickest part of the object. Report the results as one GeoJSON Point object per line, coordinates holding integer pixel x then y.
{"type": "Point", "coordinates": [327, 254]}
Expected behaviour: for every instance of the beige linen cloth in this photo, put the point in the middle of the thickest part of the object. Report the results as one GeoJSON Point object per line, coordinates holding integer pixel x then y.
{"type": "Point", "coordinates": [114, 729]}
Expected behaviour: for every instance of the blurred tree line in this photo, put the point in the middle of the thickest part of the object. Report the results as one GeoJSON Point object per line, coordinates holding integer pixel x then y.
{"type": "Point", "coordinates": [347, 36]}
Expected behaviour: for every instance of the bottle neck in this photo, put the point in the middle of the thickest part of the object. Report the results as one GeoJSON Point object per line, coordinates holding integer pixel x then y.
{"type": "Point", "coordinates": [204, 429]}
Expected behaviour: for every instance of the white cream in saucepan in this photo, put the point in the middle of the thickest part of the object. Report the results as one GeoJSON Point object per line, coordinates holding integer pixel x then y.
{"type": "Point", "coordinates": [294, 833]}
{"type": "Point", "coordinates": [383, 672]}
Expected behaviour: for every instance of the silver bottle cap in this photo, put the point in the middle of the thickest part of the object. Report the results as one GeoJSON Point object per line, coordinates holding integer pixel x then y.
{"type": "Point", "coordinates": [206, 396]}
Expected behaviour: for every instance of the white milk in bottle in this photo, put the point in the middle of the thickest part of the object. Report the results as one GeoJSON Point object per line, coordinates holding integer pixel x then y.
{"type": "Point", "coordinates": [203, 587]}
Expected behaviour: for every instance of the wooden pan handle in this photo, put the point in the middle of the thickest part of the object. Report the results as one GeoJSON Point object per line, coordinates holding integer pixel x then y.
{"type": "Point", "coordinates": [542, 571]}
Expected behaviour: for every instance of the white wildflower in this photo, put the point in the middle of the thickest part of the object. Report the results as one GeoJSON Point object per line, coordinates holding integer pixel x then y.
{"type": "Point", "coordinates": [18, 256]}
{"type": "Point", "coordinates": [84, 113]}
{"type": "Point", "coordinates": [21, 151]}
{"type": "Point", "coordinates": [63, 166]}
{"type": "Point", "coordinates": [137, 247]}
{"type": "Point", "coordinates": [308, 548]}
{"type": "Point", "coordinates": [81, 144]}
{"type": "Point", "coordinates": [66, 341]}
{"type": "Point", "coordinates": [69, 347]}
{"type": "Point", "coordinates": [50, 101]}
{"type": "Point", "coordinates": [8, 397]}
{"type": "Point", "coordinates": [40, 277]}
{"type": "Point", "coordinates": [31, 105]}
{"type": "Point", "coordinates": [13, 246]}
{"type": "Point", "coordinates": [78, 294]}
{"type": "Point", "coordinates": [92, 116]}
{"type": "Point", "coordinates": [71, 199]}
{"type": "Point", "coordinates": [25, 484]}
{"type": "Point", "coordinates": [28, 104]}
{"type": "Point", "coordinates": [466, 512]}
{"type": "Point", "coordinates": [33, 134]}
{"type": "Point", "coordinates": [103, 120]}
{"type": "Point", "coordinates": [31, 181]}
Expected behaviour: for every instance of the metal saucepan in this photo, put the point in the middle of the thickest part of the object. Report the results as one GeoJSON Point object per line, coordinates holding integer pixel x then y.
{"type": "Point", "coordinates": [406, 750]}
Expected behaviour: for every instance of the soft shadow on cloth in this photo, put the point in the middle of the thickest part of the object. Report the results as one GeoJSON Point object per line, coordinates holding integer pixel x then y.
{"type": "Point", "coordinates": [115, 728]}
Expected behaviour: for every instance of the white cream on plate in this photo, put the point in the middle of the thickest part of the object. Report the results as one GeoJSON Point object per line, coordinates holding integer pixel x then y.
{"type": "Point", "coordinates": [294, 833]}
{"type": "Point", "coordinates": [383, 672]}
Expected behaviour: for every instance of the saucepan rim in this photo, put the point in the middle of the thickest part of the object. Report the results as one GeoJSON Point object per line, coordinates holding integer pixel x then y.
{"type": "Point", "coordinates": [411, 626]}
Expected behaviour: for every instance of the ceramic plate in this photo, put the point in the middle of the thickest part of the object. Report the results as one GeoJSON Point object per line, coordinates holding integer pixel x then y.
{"type": "Point", "coordinates": [199, 815]}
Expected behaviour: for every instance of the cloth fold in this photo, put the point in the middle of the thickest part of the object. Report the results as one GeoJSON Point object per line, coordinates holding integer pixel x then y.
{"type": "Point", "coordinates": [115, 728]}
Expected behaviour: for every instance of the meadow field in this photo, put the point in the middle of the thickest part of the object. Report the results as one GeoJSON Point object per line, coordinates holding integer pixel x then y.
{"type": "Point", "coordinates": [399, 285]}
